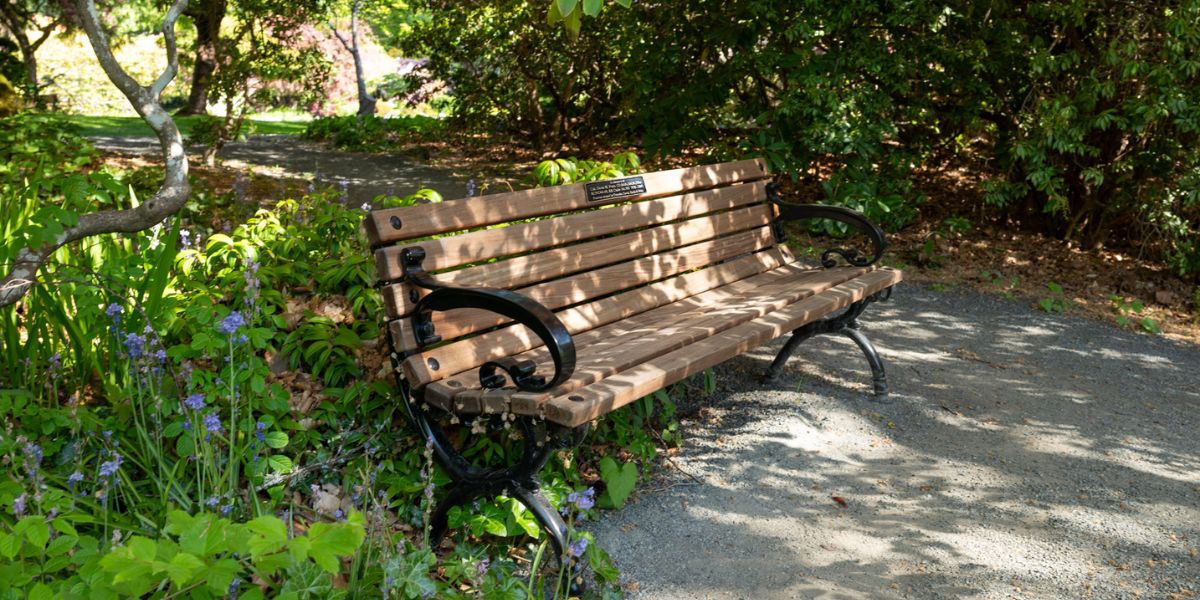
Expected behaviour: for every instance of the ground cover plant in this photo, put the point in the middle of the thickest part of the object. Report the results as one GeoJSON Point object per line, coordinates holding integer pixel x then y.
{"type": "Point", "coordinates": [192, 411]}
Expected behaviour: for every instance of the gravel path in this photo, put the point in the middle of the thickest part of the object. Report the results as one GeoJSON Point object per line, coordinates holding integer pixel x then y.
{"type": "Point", "coordinates": [1023, 456]}
{"type": "Point", "coordinates": [366, 175]}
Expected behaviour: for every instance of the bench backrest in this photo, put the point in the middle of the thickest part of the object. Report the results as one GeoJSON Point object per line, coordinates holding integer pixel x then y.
{"type": "Point", "coordinates": [572, 247]}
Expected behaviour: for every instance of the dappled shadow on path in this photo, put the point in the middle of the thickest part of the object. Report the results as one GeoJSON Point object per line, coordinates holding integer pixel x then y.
{"type": "Point", "coordinates": [1023, 455]}
{"type": "Point", "coordinates": [365, 175]}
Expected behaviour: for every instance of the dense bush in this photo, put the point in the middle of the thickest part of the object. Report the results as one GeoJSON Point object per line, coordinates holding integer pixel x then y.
{"type": "Point", "coordinates": [1084, 116]}
{"type": "Point", "coordinates": [371, 133]}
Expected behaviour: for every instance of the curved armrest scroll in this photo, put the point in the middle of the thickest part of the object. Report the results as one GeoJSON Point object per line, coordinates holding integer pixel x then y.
{"type": "Point", "coordinates": [853, 218]}
{"type": "Point", "coordinates": [520, 309]}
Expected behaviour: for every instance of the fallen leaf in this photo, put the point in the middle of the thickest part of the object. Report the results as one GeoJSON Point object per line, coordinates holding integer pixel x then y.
{"type": "Point", "coordinates": [841, 501]}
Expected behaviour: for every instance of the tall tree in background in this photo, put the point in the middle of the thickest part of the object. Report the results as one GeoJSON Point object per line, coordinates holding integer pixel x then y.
{"type": "Point", "coordinates": [366, 102]}
{"type": "Point", "coordinates": [207, 16]}
{"type": "Point", "coordinates": [17, 17]}
{"type": "Point", "coordinates": [169, 198]}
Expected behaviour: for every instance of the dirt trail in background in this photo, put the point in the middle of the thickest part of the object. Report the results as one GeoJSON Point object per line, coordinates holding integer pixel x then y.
{"type": "Point", "coordinates": [1024, 455]}
{"type": "Point", "coordinates": [366, 175]}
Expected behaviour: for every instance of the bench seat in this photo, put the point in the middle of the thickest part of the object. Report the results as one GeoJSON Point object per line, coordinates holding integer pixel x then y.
{"type": "Point", "coordinates": [619, 362]}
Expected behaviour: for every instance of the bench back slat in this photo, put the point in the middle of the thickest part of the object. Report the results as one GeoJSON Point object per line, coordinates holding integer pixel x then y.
{"type": "Point", "coordinates": [464, 354]}
{"type": "Point", "coordinates": [541, 266]}
{"type": "Point", "coordinates": [519, 238]}
{"type": "Point", "coordinates": [579, 288]}
{"type": "Point", "coordinates": [409, 222]}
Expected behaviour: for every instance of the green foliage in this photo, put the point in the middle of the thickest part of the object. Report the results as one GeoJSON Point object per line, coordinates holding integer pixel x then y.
{"type": "Point", "coordinates": [1056, 302]}
{"type": "Point", "coordinates": [561, 171]}
{"type": "Point", "coordinates": [372, 134]}
{"type": "Point", "coordinates": [1129, 314]}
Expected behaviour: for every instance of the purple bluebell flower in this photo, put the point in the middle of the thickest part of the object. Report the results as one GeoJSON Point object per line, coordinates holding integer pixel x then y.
{"type": "Point", "coordinates": [187, 425]}
{"type": "Point", "coordinates": [74, 479]}
{"type": "Point", "coordinates": [233, 588]}
{"type": "Point", "coordinates": [212, 501]}
{"type": "Point", "coordinates": [366, 206]}
{"type": "Point", "coordinates": [114, 312]}
{"type": "Point", "coordinates": [135, 345]}
{"type": "Point", "coordinates": [34, 453]}
{"type": "Point", "coordinates": [194, 402]}
{"type": "Point", "coordinates": [338, 514]}
{"type": "Point", "coordinates": [109, 468]}
{"type": "Point", "coordinates": [55, 364]}
{"type": "Point", "coordinates": [213, 423]}
{"type": "Point", "coordinates": [472, 188]}
{"type": "Point", "coordinates": [481, 567]}
{"type": "Point", "coordinates": [577, 547]}
{"type": "Point", "coordinates": [18, 507]}
{"type": "Point", "coordinates": [230, 324]}
{"type": "Point", "coordinates": [226, 509]}
{"type": "Point", "coordinates": [107, 433]}
{"type": "Point", "coordinates": [258, 431]}
{"type": "Point", "coordinates": [161, 356]}
{"type": "Point", "coordinates": [185, 238]}
{"type": "Point", "coordinates": [583, 500]}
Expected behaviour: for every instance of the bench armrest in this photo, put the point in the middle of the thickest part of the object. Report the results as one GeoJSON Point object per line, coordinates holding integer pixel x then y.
{"type": "Point", "coordinates": [853, 218]}
{"type": "Point", "coordinates": [518, 307]}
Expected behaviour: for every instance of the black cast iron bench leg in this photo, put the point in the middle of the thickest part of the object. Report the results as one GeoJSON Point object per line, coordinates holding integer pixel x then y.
{"type": "Point", "coordinates": [847, 325]}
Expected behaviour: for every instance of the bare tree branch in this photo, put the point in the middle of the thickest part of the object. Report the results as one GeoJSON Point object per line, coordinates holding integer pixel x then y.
{"type": "Point", "coordinates": [165, 202]}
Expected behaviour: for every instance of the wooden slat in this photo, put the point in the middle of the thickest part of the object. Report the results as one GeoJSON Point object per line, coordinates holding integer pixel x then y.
{"type": "Point", "coordinates": [582, 322]}
{"type": "Point", "coordinates": [519, 238]}
{"type": "Point", "coordinates": [453, 358]}
{"type": "Point", "coordinates": [592, 284]}
{"type": "Point", "coordinates": [670, 328]}
{"type": "Point", "coordinates": [549, 264]}
{"type": "Point", "coordinates": [457, 215]}
{"type": "Point", "coordinates": [580, 406]}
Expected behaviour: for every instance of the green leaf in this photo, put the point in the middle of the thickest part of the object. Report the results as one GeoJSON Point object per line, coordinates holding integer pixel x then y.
{"type": "Point", "coordinates": [9, 545]}
{"type": "Point", "coordinates": [41, 591]}
{"type": "Point", "coordinates": [184, 568]}
{"type": "Point", "coordinates": [221, 574]}
{"type": "Point", "coordinates": [329, 541]}
{"type": "Point", "coordinates": [625, 3]}
{"type": "Point", "coordinates": [270, 535]}
{"type": "Point", "coordinates": [280, 464]}
{"type": "Point", "coordinates": [592, 8]}
{"type": "Point", "coordinates": [276, 439]}
{"type": "Point", "coordinates": [619, 481]}
{"type": "Point", "coordinates": [35, 529]}
{"type": "Point", "coordinates": [143, 549]}
{"type": "Point", "coordinates": [566, 7]}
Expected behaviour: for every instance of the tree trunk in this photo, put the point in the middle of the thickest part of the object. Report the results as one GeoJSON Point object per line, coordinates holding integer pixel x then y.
{"type": "Point", "coordinates": [366, 102]}
{"type": "Point", "coordinates": [207, 16]}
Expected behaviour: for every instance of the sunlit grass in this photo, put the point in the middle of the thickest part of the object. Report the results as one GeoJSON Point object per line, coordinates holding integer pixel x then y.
{"type": "Point", "coordinates": [135, 127]}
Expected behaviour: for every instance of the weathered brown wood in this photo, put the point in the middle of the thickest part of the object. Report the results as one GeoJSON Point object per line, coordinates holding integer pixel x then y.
{"type": "Point", "coordinates": [519, 238]}
{"type": "Point", "coordinates": [631, 342]}
{"type": "Point", "coordinates": [458, 215]}
{"type": "Point", "coordinates": [580, 406]}
{"type": "Point", "coordinates": [460, 359]}
{"type": "Point", "coordinates": [462, 355]}
{"type": "Point", "coordinates": [593, 284]}
{"type": "Point", "coordinates": [557, 262]}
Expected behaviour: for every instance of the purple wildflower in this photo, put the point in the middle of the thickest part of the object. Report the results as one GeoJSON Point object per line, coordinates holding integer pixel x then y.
{"type": "Point", "coordinates": [18, 507]}
{"type": "Point", "coordinates": [34, 453]}
{"type": "Point", "coordinates": [109, 468]}
{"type": "Point", "coordinates": [106, 433]}
{"type": "Point", "coordinates": [481, 567]}
{"type": "Point", "coordinates": [135, 345]}
{"type": "Point", "coordinates": [472, 188]}
{"type": "Point", "coordinates": [185, 238]}
{"type": "Point", "coordinates": [74, 479]}
{"type": "Point", "coordinates": [366, 207]}
{"type": "Point", "coordinates": [187, 425]}
{"type": "Point", "coordinates": [226, 509]}
{"type": "Point", "coordinates": [258, 431]}
{"type": "Point", "coordinates": [583, 500]}
{"type": "Point", "coordinates": [338, 514]}
{"type": "Point", "coordinates": [230, 324]}
{"type": "Point", "coordinates": [194, 402]}
{"type": "Point", "coordinates": [233, 588]}
{"type": "Point", "coordinates": [114, 312]}
{"type": "Point", "coordinates": [213, 423]}
{"type": "Point", "coordinates": [577, 547]}
{"type": "Point", "coordinates": [55, 364]}
{"type": "Point", "coordinates": [212, 501]}
{"type": "Point", "coordinates": [161, 356]}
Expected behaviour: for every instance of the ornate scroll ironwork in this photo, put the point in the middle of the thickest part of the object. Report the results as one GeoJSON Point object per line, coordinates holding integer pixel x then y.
{"type": "Point", "coordinates": [853, 218]}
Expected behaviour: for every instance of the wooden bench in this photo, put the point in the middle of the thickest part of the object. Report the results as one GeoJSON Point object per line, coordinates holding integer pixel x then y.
{"type": "Point", "coordinates": [545, 309]}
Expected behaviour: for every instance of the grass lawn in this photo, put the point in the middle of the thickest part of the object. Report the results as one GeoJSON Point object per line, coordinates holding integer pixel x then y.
{"type": "Point", "coordinates": [134, 126]}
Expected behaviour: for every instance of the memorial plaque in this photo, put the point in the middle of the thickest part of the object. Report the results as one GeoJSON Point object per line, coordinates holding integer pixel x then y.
{"type": "Point", "coordinates": [615, 189]}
